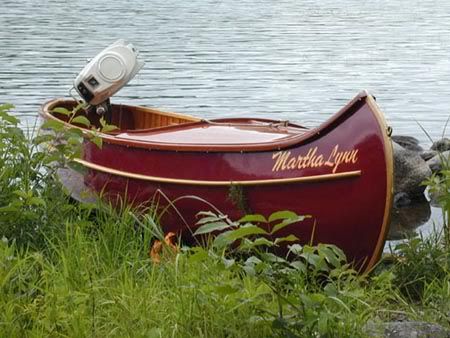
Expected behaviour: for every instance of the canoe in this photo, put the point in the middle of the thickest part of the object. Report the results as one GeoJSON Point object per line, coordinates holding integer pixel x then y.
{"type": "Point", "coordinates": [340, 172]}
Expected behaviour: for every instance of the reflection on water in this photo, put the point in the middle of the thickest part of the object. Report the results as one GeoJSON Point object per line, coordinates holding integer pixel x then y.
{"type": "Point", "coordinates": [422, 217]}
{"type": "Point", "coordinates": [296, 60]}
{"type": "Point", "coordinates": [405, 220]}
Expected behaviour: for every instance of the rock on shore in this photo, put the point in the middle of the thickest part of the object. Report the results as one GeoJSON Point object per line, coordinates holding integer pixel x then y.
{"type": "Point", "coordinates": [437, 161]}
{"type": "Point", "coordinates": [413, 165]}
{"type": "Point", "coordinates": [441, 145]}
{"type": "Point", "coordinates": [410, 170]}
{"type": "Point", "coordinates": [407, 329]}
{"type": "Point", "coordinates": [407, 142]}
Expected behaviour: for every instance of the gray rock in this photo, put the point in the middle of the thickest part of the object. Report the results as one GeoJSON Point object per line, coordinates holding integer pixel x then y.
{"type": "Point", "coordinates": [410, 170]}
{"type": "Point", "coordinates": [407, 329]}
{"type": "Point", "coordinates": [441, 145]}
{"type": "Point", "coordinates": [407, 142]}
{"type": "Point", "coordinates": [435, 163]}
{"type": "Point", "coordinates": [427, 154]}
{"type": "Point", "coordinates": [401, 199]}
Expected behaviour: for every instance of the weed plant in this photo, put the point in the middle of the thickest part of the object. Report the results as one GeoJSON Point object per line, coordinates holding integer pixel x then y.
{"type": "Point", "coordinates": [76, 270]}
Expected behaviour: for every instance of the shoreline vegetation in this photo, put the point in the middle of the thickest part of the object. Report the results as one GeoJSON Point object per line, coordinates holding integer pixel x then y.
{"type": "Point", "coordinates": [71, 269]}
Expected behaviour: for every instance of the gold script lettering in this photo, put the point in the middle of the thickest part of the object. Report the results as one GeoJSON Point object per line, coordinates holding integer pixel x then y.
{"type": "Point", "coordinates": [281, 158]}
{"type": "Point", "coordinates": [313, 159]}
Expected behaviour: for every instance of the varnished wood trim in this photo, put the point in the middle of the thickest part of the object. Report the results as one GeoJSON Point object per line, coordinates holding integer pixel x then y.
{"type": "Point", "coordinates": [304, 179]}
{"type": "Point", "coordinates": [389, 182]}
{"type": "Point", "coordinates": [147, 110]}
{"type": "Point", "coordinates": [295, 140]}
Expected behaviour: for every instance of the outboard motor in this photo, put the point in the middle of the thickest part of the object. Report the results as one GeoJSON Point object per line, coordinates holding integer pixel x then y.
{"type": "Point", "coordinates": [106, 74]}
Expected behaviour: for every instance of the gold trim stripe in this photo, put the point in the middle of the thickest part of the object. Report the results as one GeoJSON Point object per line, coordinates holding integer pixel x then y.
{"type": "Point", "coordinates": [304, 179]}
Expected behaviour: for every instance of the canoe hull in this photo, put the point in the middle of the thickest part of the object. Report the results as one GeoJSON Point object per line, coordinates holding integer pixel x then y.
{"type": "Point", "coordinates": [340, 174]}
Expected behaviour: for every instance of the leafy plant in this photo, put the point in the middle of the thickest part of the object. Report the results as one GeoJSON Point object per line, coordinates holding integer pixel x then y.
{"type": "Point", "coordinates": [307, 283]}
{"type": "Point", "coordinates": [30, 188]}
{"type": "Point", "coordinates": [65, 144]}
{"type": "Point", "coordinates": [439, 185]}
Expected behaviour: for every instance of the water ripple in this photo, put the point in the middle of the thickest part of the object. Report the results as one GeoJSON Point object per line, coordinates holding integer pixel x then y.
{"type": "Point", "coordinates": [286, 59]}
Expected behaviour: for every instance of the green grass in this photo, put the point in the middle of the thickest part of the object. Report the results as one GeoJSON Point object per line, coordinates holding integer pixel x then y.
{"type": "Point", "coordinates": [79, 270]}
{"type": "Point", "coordinates": [107, 287]}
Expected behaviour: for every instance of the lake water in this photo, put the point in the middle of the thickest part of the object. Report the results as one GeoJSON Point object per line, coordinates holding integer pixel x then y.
{"type": "Point", "coordinates": [286, 59]}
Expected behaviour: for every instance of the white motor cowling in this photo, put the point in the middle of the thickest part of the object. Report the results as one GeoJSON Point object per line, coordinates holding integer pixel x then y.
{"type": "Point", "coordinates": [108, 72]}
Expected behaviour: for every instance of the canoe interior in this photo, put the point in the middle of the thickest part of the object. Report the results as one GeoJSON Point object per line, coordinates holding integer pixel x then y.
{"type": "Point", "coordinates": [149, 126]}
{"type": "Point", "coordinates": [128, 118]}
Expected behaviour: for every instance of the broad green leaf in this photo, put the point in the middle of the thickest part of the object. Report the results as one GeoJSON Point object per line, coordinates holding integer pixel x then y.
{"type": "Point", "coordinates": [296, 249]}
{"type": "Point", "coordinates": [53, 125]}
{"type": "Point", "coordinates": [270, 257]}
{"type": "Point", "coordinates": [75, 132]}
{"type": "Point", "coordinates": [98, 141]}
{"type": "Point", "coordinates": [206, 213]}
{"type": "Point", "coordinates": [290, 238]}
{"type": "Point", "coordinates": [312, 259]}
{"type": "Point", "coordinates": [246, 230]}
{"type": "Point", "coordinates": [299, 266]}
{"type": "Point", "coordinates": [9, 118]}
{"type": "Point", "coordinates": [75, 141]}
{"type": "Point", "coordinates": [209, 219]}
{"type": "Point", "coordinates": [81, 120]}
{"type": "Point", "coordinates": [254, 218]}
{"type": "Point", "coordinates": [61, 110]}
{"type": "Point", "coordinates": [252, 260]}
{"type": "Point", "coordinates": [309, 249]}
{"type": "Point", "coordinates": [248, 244]}
{"type": "Point", "coordinates": [329, 255]}
{"type": "Point", "coordinates": [286, 214]}
{"type": "Point", "coordinates": [108, 128]}
{"type": "Point", "coordinates": [262, 241]}
{"type": "Point", "coordinates": [222, 240]}
{"type": "Point", "coordinates": [102, 121]}
{"type": "Point", "coordinates": [249, 270]}
{"type": "Point", "coordinates": [211, 227]}
{"type": "Point", "coordinates": [288, 221]}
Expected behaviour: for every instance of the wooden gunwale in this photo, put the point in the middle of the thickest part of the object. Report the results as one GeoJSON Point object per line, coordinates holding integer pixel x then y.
{"type": "Point", "coordinates": [294, 140]}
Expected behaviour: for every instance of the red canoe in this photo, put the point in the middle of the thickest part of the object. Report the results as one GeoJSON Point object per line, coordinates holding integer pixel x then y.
{"type": "Point", "coordinates": [340, 173]}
